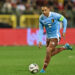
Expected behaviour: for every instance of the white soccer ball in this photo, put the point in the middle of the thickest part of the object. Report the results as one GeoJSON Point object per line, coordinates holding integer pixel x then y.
{"type": "Point", "coordinates": [33, 68]}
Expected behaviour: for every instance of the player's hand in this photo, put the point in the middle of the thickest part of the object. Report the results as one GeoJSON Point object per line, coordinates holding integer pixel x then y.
{"type": "Point", "coordinates": [63, 34]}
{"type": "Point", "coordinates": [40, 44]}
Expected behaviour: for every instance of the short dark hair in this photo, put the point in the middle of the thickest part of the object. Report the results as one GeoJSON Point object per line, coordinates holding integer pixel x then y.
{"type": "Point", "coordinates": [45, 5]}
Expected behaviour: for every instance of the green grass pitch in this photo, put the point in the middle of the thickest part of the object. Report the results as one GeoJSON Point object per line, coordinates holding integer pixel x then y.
{"type": "Point", "coordinates": [16, 59]}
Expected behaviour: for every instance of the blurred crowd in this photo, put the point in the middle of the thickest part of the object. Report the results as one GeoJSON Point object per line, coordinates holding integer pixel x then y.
{"type": "Point", "coordinates": [18, 7]}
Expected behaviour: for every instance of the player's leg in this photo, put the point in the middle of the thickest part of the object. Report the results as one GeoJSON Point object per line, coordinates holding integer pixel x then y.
{"type": "Point", "coordinates": [48, 54]}
{"type": "Point", "coordinates": [51, 44]}
{"type": "Point", "coordinates": [58, 50]}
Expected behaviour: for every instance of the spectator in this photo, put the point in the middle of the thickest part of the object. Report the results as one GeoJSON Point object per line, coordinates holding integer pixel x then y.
{"type": "Point", "coordinates": [7, 7]}
{"type": "Point", "coordinates": [60, 4]}
{"type": "Point", "coordinates": [20, 7]}
{"type": "Point", "coordinates": [29, 9]}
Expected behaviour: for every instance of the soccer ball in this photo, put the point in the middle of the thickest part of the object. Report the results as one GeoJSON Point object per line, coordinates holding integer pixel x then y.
{"type": "Point", "coordinates": [33, 68]}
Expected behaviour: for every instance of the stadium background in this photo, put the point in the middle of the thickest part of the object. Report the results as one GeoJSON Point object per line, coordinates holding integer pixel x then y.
{"type": "Point", "coordinates": [22, 19]}
{"type": "Point", "coordinates": [19, 22]}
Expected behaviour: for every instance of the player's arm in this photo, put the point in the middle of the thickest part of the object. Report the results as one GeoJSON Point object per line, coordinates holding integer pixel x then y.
{"type": "Point", "coordinates": [40, 33]}
{"type": "Point", "coordinates": [64, 21]}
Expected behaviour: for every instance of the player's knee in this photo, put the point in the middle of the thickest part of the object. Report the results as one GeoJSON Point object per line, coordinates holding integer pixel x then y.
{"type": "Point", "coordinates": [49, 49]}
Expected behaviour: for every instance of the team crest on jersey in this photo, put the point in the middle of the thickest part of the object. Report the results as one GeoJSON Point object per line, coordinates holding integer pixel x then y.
{"type": "Point", "coordinates": [52, 20]}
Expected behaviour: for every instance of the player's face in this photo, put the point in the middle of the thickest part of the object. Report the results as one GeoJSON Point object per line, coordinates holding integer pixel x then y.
{"type": "Point", "coordinates": [45, 11]}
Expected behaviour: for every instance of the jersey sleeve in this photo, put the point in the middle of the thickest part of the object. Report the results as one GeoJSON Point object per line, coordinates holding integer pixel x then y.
{"type": "Point", "coordinates": [40, 30]}
{"type": "Point", "coordinates": [62, 19]}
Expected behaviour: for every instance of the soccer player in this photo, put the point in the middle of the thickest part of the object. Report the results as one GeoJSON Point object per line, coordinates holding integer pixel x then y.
{"type": "Point", "coordinates": [50, 21]}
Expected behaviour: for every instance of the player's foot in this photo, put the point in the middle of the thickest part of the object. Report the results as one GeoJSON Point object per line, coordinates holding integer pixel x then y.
{"type": "Point", "coordinates": [42, 71]}
{"type": "Point", "coordinates": [68, 47]}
